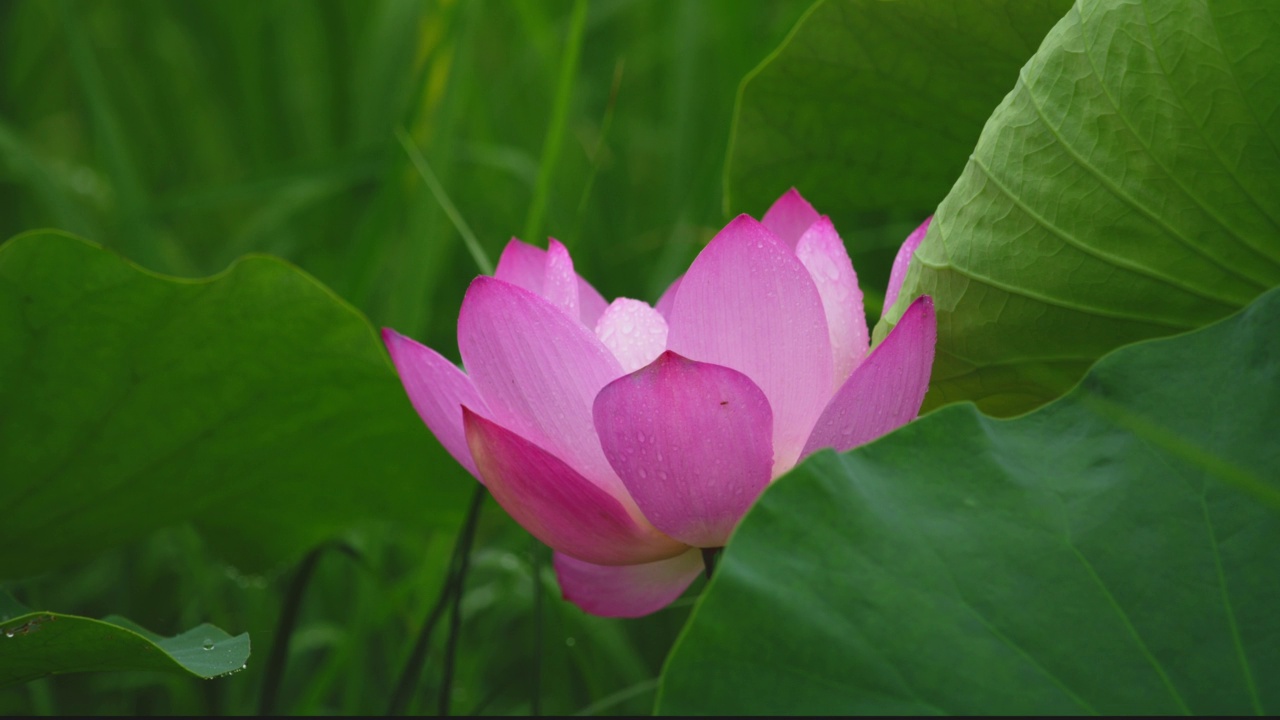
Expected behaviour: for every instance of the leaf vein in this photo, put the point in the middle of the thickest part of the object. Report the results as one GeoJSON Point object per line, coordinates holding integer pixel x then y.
{"type": "Point", "coordinates": [1128, 624]}
{"type": "Point", "coordinates": [1115, 190]}
{"type": "Point", "coordinates": [1023, 292]}
{"type": "Point", "coordinates": [1090, 250]}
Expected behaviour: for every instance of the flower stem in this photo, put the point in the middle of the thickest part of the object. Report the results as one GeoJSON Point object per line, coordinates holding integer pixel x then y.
{"type": "Point", "coordinates": [463, 559]}
{"type": "Point", "coordinates": [709, 559]}
{"type": "Point", "coordinates": [279, 657]}
{"type": "Point", "coordinates": [418, 656]}
{"type": "Point", "coordinates": [535, 702]}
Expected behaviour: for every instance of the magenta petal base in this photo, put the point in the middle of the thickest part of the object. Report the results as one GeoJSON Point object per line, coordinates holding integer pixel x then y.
{"type": "Point", "coordinates": [691, 441]}
{"type": "Point", "coordinates": [556, 504]}
{"type": "Point", "coordinates": [626, 591]}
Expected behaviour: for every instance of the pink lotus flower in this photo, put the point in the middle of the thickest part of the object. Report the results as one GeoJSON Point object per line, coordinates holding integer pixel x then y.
{"type": "Point", "coordinates": [629, 437]}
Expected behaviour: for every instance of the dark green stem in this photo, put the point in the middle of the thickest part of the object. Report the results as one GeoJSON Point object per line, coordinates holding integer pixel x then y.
{"type": "Point", "coordinates": [279, 657]}
{"type": "Point", "coordinates": [535, 703]}
{"type": "Point", "coordinates": [418, 656]}
{"type": "Point", "coordinates": [455, 616]}
{"type": "Point", "coordinates": [709, 559]}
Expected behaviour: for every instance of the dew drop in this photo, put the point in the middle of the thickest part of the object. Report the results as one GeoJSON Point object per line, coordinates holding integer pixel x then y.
{"type": "Point", "coordinates": [207, 644]}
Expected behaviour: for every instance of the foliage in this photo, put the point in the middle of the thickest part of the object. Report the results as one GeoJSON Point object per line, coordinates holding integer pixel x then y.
{"type": "Point", "coordinates": [870, 109]}
{"type": "Point", "coordinates": [171, 448]}
{"type": "Point", "coordinates": [1112, 553]}
{"type": "Point", "coordinates": [185, 136]}
{"type": "Point", "coordinates": [285, 397]}
{"type": "Point", "coordinates": [1125, 189]}
{"type": "Point", "coordinates": [43, 643]}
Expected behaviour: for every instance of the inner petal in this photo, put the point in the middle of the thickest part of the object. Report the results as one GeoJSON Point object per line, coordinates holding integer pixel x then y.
{"type": "Point", "coordinates": [560, 282]}
{"type": "Point", "coordinates": [635, 333]}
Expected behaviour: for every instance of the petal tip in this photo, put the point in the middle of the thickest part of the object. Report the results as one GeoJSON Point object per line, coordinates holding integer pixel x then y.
{"type": "Point", "coordinates": [923, 305]}
{"type": "Point", "coordinates": [745, 228]}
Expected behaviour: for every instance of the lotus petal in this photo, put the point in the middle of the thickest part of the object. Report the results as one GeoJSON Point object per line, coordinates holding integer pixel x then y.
{"type": "Point", "coordinates": [626, 591]}
{"type": "Point", "coordinates": [902, 261]}
{"type": "Point", "coordinates": [691, 441]}
{"type": "Point", "coordinates": [438, 390]}
{"type": "Point", "coordinates": [749, 304]}
{"type": "Point", "coordinates": [538, 371]}
{"type": "Point", "coordinates": [789, 217]}
{"type": "Point", "coordinates": [887, 389]}
{"type": "Point", "coordinates": [824, 256]}
{"type": "Point", "coordinates": [556, 504]}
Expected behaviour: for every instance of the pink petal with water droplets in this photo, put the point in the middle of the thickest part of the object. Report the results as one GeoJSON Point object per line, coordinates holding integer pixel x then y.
{"type": "Point", "coordinates": [556, 504]}
{"type": "Point", "coordinates": [790, 216]}
{"type": "Point", "coordinates": [538, 371]}
{"type": "Point", "coordinates": [560, 285]}
{"type": "Point", "coordinates": [626, 591]}
{"type": "Point", "coordinates": [591, 303]}
{"type": "Point", "coordinates": [749, 304]}
{"type": "Point", "coordinates": [438, 390]}
{"type": "Point", "coordinates": [522, 265]}
{"type": "Point", "coordinates": [887, 389]}
{"type": "Point", "coordinates": [824, 255]}
{"type": "Point", "coordinates": [902, 261]}
{"type": "Point", "coordinates": [528, 267]}
{"type": "Point", "coordinates": [693, 443]}
{"type": "Point", "coordinates": [668, 299]}
{"type": "Point", "coordinates": [634, 332]}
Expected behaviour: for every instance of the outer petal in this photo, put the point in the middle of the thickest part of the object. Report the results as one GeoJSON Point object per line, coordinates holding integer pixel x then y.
{"type": "Point", "coordinates": [634, 332]}
{"type": "Point", "coordinates": [749, 304]}
{"type": "Point", "coordinates": [526, 266]}
{"type": "Point", "coordinates": [626, 590]}
{"type": "Point", "coordinates": [902, 261]}
{"type": "Point", "coordinates": [691, 441]}
{"type": "Point", "coordinates": [668, 299]}
{"type": "Point", "coordinates": [790, 216]}
{"type": "Point", "coordinates": [556, 504]}
{"type": "Point", "coordinates": [824, 255]}
{"type": "Point", "coordinates": [438, 390]}
{"type": "Point", "coordinates": [886, 390]}
{"type": "Point", "coordinates": [538, 371]}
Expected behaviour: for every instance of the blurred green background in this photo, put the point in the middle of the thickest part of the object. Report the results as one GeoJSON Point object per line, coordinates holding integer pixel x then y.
{"type": "Point", "coordinates": [184, 135]}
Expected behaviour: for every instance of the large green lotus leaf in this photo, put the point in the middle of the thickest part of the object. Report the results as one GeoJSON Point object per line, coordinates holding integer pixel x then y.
{"type": "Point", "coordinates": [36, 644]}
{"type": "Point", "coordinates": [1115, 552]}
{"type": "Point", "coordinates": [1128, 188]}
{"type": "Point", "coordinates": [871, 108]}
{"type": "Point", "coordinates": [254, 403]}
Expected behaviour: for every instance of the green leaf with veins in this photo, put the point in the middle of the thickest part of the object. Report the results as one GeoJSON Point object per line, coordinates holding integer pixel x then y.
{"type": "Point", "coordinates": [871, 108]}
{"type": "Point", "coordinates": [1127, 188]}
{"type": "Point", "coordinates": [1115, 552]}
